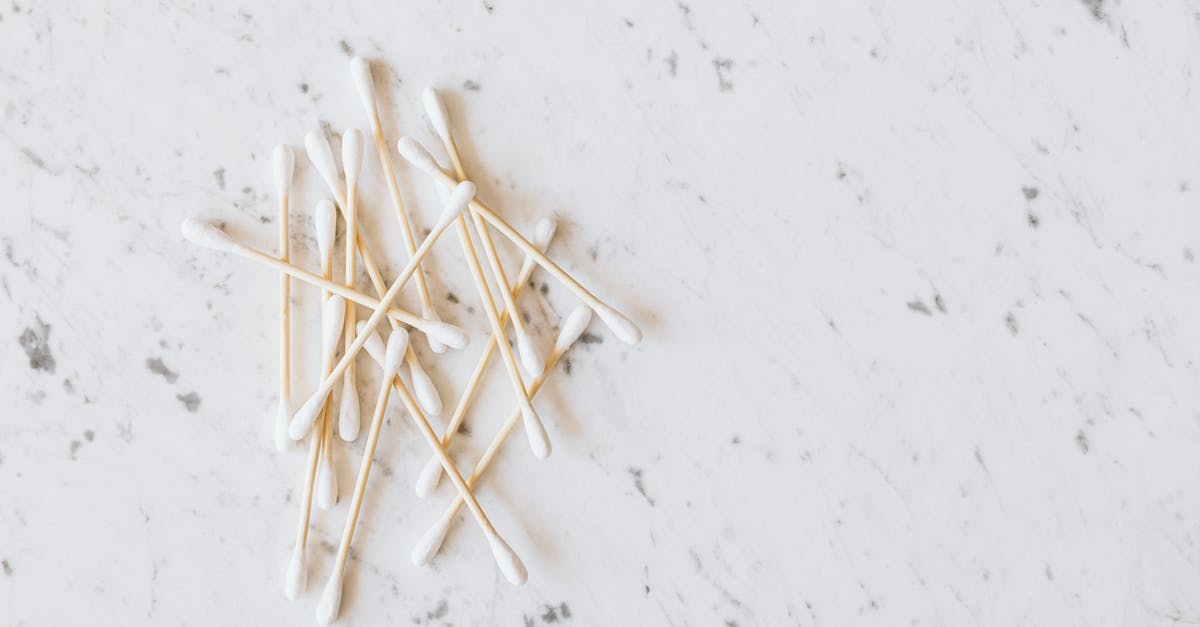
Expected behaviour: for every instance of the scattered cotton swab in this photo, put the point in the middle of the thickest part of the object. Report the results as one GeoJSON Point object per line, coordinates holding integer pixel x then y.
{"type": "Point", "coordinates": [284, 163]}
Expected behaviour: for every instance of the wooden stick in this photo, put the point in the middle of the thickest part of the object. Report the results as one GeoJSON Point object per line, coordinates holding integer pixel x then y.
{"type": "Point", "coordinates": [210, 236]}
{"type": "Point", "coordinates": [429, 543]}
{"type": "Point", "coordinates": [431, 474]}
{"type": "Point", "coordinates": [304, 418]}
{"type": "Point", "coordinates": [285, 163]}
{"type": "Point", "coordinates": [352, 152]}
{"type": "Point", "coordinates": [328, 607]}
{"type": "Point", "coordinates": [360, 71]}
{"type": "Point", "coordinates": [321, 155]}
{"type": "Point", "coordinates": [618, 323]}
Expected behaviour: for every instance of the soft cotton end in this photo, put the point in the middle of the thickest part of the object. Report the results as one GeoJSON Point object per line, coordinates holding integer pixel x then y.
{"type": "Point", "coordinates": [429, 478]}
{"type": "Point", "coordinates": [360, 72]}
{"type": "Point", "coordinates": [296, 579]}
{"type": "Point", "coordinates": [506, 558]}
{"type": "Point", "coordinates": [426, 392]}
{"type": "Point", "coordinates": [572, 328]}
{"type": "Point", "coordinates": [352, 155]}
{"type": "Point", "coordinates": [321, 156]}
{"type": "Point", "coordinates": [397, 344]}
{"type": "Point", "coordinates": [332, 319]}
{"type": "Point", "coordinates": [435, 109]}
{"type": "Point", "coordinates": [331, 600]}
{"type": "Point", "coordinates": [430, 543]}
{"type": "Point", "coordinates": [622, 327]}
{"type": "Point", "coordinates": [325, 223]}
{"type": "Point", "coordinates": [349, 419]}
{"type": "Point", "coordinates": [531, 360]}
{"type": "Point", "coordinates": [209, 236]}
{"type": "Point", "coordinates": [416, 154]}
{"type": "Point", "coordinates": [285, 166]}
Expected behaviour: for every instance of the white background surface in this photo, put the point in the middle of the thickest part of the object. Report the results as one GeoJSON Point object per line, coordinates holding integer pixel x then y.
{"type": "Point", "coordinates": [918, 285]}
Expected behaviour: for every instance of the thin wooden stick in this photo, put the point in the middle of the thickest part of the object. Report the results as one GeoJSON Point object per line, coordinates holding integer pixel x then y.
{"type": "Point", "coordinates": [360, 70]}
{"type": "Point", "coordinates": [429, 543]}
{"type": "Point", "coordinates": [352, 152]}
{"type": "Point", "coordinates": [285, 163]}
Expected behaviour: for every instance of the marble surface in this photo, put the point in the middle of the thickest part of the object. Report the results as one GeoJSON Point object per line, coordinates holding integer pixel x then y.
{"type": "Point", "coordinates": [918, 284]}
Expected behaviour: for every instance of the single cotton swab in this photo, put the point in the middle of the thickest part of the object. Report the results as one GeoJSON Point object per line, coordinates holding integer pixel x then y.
{"type": "Point", "coordinates": [440, 119]}
{"type": "Point", "coordinates": [321, 156]}
{"type": "Point", "coordinates": [209, 236]}
{"type": "Point", "coordinates": [296, 579]}
{"type": "Point", "coordinates": [284, 167]}
{"type": "Point", "coordinates": [360, 71]}
{"type": "Point", "coordinates": [432, 472]}
{"type": "Point", "coordinates": [429, 543]}
{"type": "Point", "coordinates": [331, 599]}
{"type": "Point", "coordinates": [352, 154]}
{"type": "Point", "coordinates": [304, 418]}
{"type": "Point", "coordinates": [618, 323]}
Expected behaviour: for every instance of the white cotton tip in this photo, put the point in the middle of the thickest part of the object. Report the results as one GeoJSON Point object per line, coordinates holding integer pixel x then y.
{"type": "Point", "coordinates": [429, 478]}
{"type": "Point", "coordinates": [296, 579]}
{"type": "Point", "coordinates": [426, 392]}
{"type": "Point", "coordinates": [325, 223]}
{"type": "Point", "coordinates": [332, 319]}
{"type": "Point", "coordinates": [436, 110]}
{"type": "Point", "coordinates": [349, 420]}
{"type": "Point", "coordinates": [430, 543]}
{"type": "Point", "coordinates": [282, 416]}
{"type": "Point", "coordinates": [327, 486]}
{"type": "Point", "coordinates": [507, 560]}
{"type": "Point", "coordinates": [462, 196]}
{"type": "Point", "coordinates": [209, 236]}
{"type": "Point", "coordinates": [331, 600]}
{"type": "Point", "coordinates": [416, 154]}
{"type": "Point", "coordinates": [435, 345]}
{"type": "Point", "coordinates": [572, 328]}
{"type": "Point", "coordinates": [364, 84]}
{"type": "Point", "coordinates": [374, 345]}
{"type": "Point", "coordinates": [531, 360]}
{"type": "Point", "coordinates": [544, 232]}
{"type": "Point", "coordinates": [445, 333]}
{"type": "Point", "coordinates": [285, 166]}
{"type": "Point", "coordinates": [397, 344]}
{"type": "Point", "coordinates": [622, 327]}
{"type": "Point", "coordinates": [307, 415]}
{"type": "Point", "coordinates": [352, 155]}
{"type": "Point", "coordinates": [321, 156]}
{"type": "Point", "coordinates": [535, 432]}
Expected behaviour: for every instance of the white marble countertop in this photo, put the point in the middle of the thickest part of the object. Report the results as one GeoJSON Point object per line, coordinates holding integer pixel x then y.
{"type": "Point", "coordinates": [918, 285]}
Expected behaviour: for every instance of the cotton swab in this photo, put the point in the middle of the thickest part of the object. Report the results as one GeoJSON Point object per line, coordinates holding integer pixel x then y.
{"type": "Point", "coordinates": [352, 154]}
{"type": "Point", "coordinates": [304, 418]}
{"type": "Point", "coordinates": [209, 236]}
{"type": "Point", "coordinates": [440, 119]}
{"type": "Point", "coordinates": [360, 72]}
{"type": "Point", "coordinates": [432, 472]}
{"type": "Point", "coordinates": [572, 328]}
{"type": "Point", "coordinates": [284, 162]}
{"type": "Point", "coordinates": [331, 599]}
{"type": "Point", "coordinates": [296, 578]}
{"type": "Point", "coordinates": [620, 325]}
{"type": "Point", "coordinates": [321, 155]}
